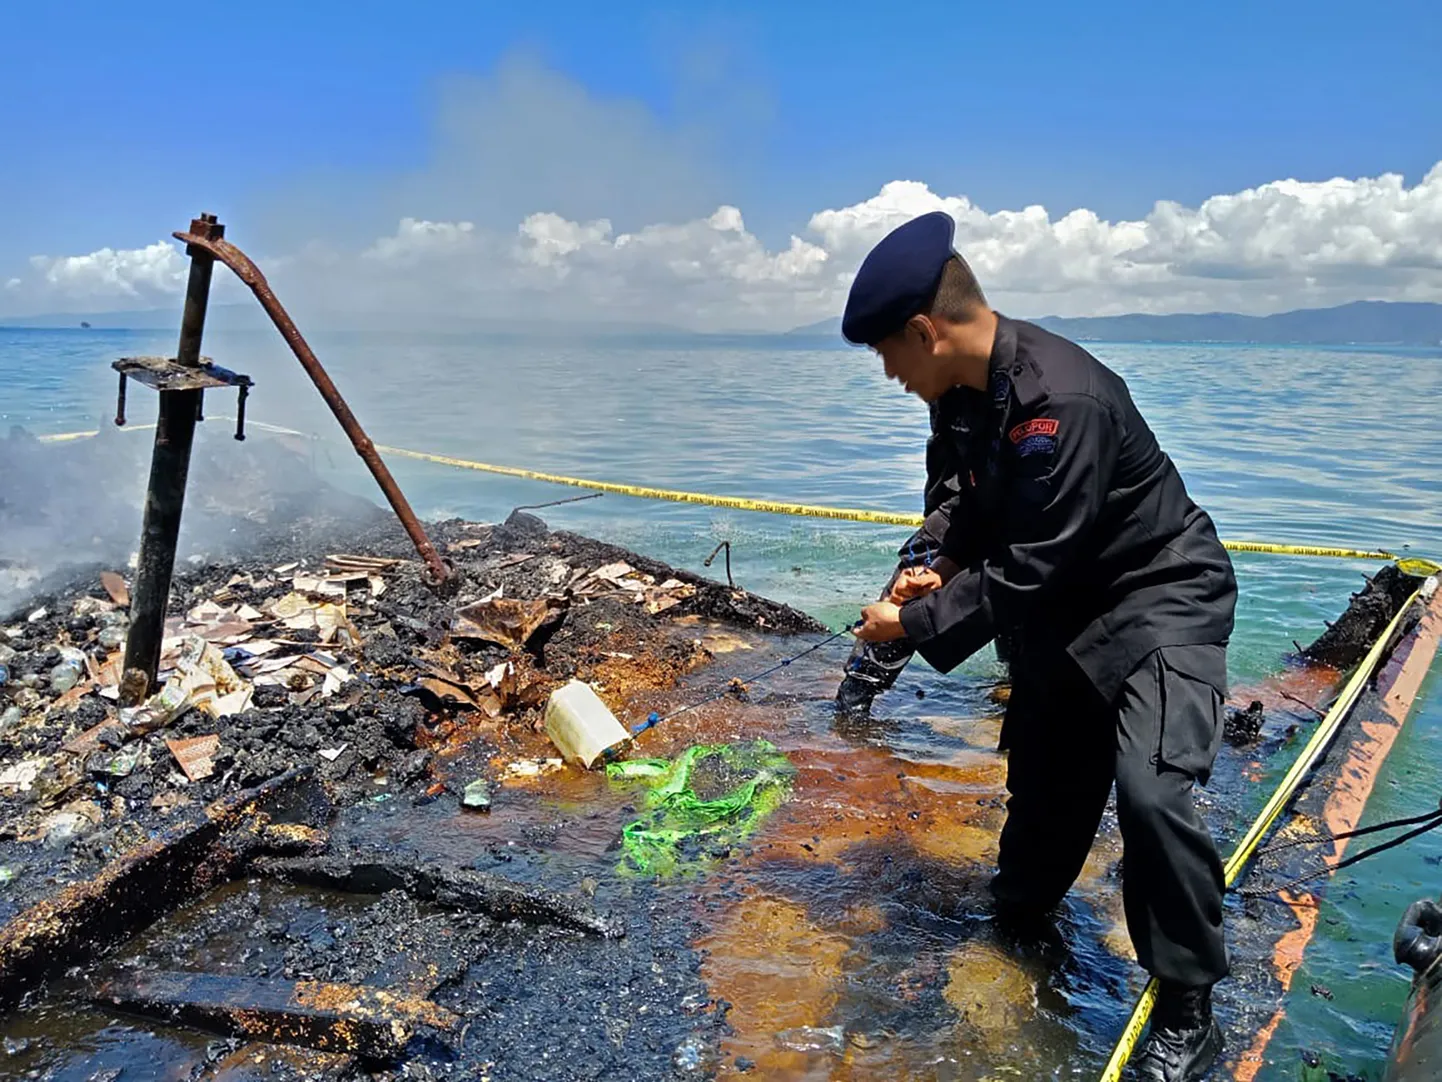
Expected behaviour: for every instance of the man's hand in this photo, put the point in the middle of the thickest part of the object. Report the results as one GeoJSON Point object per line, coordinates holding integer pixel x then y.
{"type": "Point", "coordinates": [881, 622]}
{"type": "Point", "coordinates": [914, 582]}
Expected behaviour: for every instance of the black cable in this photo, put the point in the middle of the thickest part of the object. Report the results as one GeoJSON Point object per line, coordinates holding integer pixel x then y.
{"type": "Point", "coordinates": [556, 503]}
{"type": "Point", "coordinates": [1433, 822]}
{"type": "Point", "coordinates": [1316, 839]}
{"type": "Point", "coordinates": [656, 719]}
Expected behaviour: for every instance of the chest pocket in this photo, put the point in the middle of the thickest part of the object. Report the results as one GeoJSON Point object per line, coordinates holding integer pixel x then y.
{"type": "Point", "coordinates": [982, 473]}
{"type": "Point", "coordinates": [996, 464]}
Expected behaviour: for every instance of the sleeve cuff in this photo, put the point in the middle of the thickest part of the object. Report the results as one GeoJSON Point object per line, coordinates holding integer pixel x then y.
{"type": "Point", "coordinates": [948, 625]}
{"type": "Point", "coordinates": [916, 621]}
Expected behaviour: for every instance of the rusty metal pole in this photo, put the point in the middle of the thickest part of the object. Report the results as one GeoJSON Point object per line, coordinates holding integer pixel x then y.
{"type": "Point", "coordinates": [251, 275]}
{"type": "Point", "coordinates": [165, 495]}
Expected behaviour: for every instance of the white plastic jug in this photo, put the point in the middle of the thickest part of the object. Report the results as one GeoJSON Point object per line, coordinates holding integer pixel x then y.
{"type": "Point", "coordinates": [579, 724]}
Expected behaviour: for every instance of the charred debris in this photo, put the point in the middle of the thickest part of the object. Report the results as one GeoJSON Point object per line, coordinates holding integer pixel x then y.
{"type": "Point", "coordinates": [295, 683]}
{"type": "Point", "coordinates": [349, 665]}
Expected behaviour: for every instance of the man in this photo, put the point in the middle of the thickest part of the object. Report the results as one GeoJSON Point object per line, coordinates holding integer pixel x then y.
{"type": "Point", "coordinates": [1074, 532]}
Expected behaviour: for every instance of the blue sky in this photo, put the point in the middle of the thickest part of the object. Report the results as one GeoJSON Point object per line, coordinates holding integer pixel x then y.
{"type": "Point", "coordinates": [121, 120]}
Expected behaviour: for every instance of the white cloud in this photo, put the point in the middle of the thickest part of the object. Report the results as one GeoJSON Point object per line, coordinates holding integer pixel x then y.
{"type": "Point", "coordinates": [1282, 244]}
{"type": "Point", "coordinates": [1285, 244]}
{"type": "Point", "coordinates": [415, 241]}
{"type": "Point", "coordinates": [546, 239]}
{"type": "Point", "coordinates": [143, 274]}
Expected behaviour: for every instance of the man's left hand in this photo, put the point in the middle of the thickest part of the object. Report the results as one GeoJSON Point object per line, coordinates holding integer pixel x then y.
{"type": "Point", "coordinates": [915, 582]}
{"type": "Point", "coordinates": [881, 622]}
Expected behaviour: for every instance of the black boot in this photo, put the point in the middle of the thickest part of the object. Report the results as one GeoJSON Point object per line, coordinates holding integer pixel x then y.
{"type": "Point", "coordinates": [871, 669]}
{"type": "Point", "coordinates": [1185, 1039]}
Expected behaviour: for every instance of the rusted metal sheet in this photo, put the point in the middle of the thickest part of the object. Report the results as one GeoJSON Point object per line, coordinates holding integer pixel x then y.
{"type": "Point", "coordinates": [116, 588]}
{"type": "Point", "coordinates": [250, 274]}
{"type": "Point", "coordinates": [85, 919]}
{"type": "Point", "coordinates": [1335, 803]}
{"type": "Point", "coordinates": [194, 755]}
{"type": "Point", "coordinates": [504, 621]}
{"type": "Point", "coordinates": [335, 1018]}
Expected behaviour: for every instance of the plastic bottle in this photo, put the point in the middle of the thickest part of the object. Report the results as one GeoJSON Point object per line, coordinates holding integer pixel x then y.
{"type": "Point", "coordinates": [581, 726]}
{"type": "Point", "coordinates": [68, 672]}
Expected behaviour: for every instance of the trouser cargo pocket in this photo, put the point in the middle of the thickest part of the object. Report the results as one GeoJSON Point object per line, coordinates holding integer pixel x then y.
{"type": "Point", "coordinates": [1191, 685]}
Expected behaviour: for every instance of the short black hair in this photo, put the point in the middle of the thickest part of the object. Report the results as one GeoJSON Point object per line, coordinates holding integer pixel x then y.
{"type": "Point", "coordinates": [958, 295]}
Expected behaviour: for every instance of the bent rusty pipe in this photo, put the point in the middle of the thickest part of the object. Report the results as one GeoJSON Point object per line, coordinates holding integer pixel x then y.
{"type": "Point", "coordinates": [250, 274]}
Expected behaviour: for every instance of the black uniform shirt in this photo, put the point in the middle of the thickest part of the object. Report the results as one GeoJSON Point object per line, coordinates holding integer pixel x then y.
{"type": "Point", "coordinates": [1073, 527]}
{"type": "Point", "coordinates": [942, 483]}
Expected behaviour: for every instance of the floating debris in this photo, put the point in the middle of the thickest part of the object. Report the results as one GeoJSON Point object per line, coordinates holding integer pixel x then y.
{"type": "Point", "coordinates": [195, 755]}
{"type": "Point", "coordinates": [1242, 727]}
{"type": "Point", "coordinates": [532, 768]}
{"type": "Point", "coordinates": [581, 726]}
{"type": "Point", "coordinates": [115, 586]}
{"type": "Point", "coordinates": [477, 796]}
{"type": "Point", "coordinates": [811, 1039]}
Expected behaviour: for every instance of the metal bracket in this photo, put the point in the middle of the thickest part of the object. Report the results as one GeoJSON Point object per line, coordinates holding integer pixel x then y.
{"type": "Point", "coordinates": [168, 374]}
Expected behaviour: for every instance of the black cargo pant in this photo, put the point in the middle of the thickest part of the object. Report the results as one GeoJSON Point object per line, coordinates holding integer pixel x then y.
{"type": "Point", "coordinates": [1156, 740]}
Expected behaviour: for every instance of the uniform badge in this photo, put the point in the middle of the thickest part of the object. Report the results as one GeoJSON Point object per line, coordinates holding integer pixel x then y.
{"type": "Point", "coordinates": [1035, 437]}
{"type": "Point", "coordinates": [1037, 426]}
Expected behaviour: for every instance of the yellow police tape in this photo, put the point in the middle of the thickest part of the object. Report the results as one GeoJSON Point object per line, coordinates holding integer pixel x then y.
{"type": "Point", "coordinates": [736, 503]}
{"type": "Point", "coordinates": [805, 510]}
{"type": "Point", "coordinates": [1313, 751]}
{"type": "Point", "coordinates": [743, 503]}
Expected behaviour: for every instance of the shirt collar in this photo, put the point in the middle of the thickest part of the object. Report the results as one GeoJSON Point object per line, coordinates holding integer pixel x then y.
{"type": "Point", "coordinates": [1003, 346]}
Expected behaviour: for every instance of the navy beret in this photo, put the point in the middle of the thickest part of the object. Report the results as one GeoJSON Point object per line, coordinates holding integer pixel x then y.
{"type": "Point", "coordinates": [898, 278]}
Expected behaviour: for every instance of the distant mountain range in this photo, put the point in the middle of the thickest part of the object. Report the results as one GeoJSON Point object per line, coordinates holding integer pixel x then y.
{"type": "Point", "coordinates": [1360, 323]}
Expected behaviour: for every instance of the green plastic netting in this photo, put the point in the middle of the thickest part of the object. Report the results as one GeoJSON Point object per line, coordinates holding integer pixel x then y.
{"type": "Point", "coordinates": [700, 805]}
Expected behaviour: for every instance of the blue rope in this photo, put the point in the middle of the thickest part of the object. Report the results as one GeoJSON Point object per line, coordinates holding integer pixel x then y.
{"type": "Point", "coordinates": [911, 552]}
{"type": "Point", "coordinates": [655, 719]}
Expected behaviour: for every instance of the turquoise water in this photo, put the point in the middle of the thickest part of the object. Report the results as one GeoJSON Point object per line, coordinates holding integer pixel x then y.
{"type": "Point", "coordinates": [1287, 444]}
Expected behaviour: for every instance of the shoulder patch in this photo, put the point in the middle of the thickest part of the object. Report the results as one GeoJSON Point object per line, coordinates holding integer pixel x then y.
{"type": "Point", "coordinates": [1036, 445]}
{"type": "Point", "coordinates": [1037, 426]}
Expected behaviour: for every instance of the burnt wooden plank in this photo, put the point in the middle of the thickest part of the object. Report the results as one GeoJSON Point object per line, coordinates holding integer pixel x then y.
{"type": "Point", "coordinates": [85, 919]}
{"type": "Point", "coordinates": [448, 886]}
{"type": "Point", "coordinates": [412, 971]}
{"type": "Point", "coordinates": [333, 1018]}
